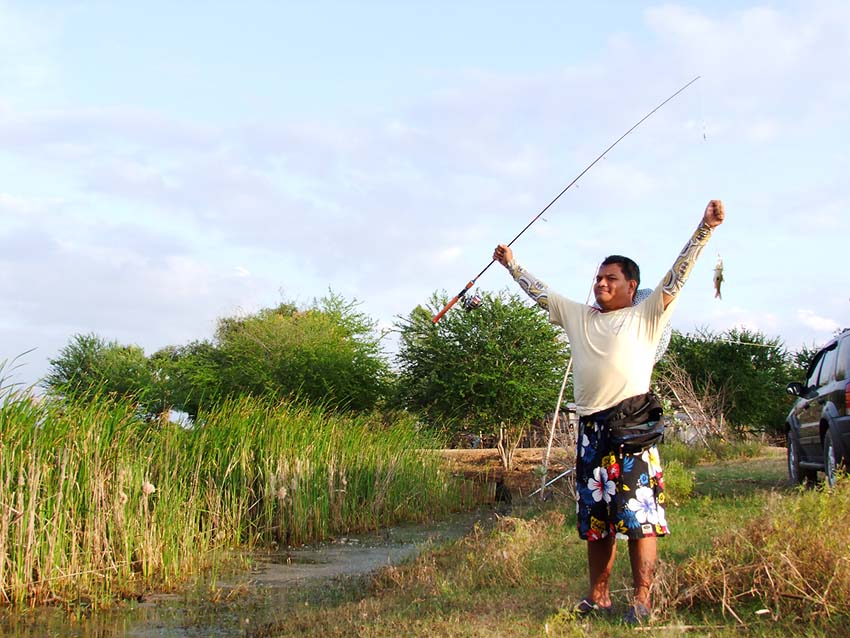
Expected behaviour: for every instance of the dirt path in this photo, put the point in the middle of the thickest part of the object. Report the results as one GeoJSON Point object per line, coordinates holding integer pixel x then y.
{"type": "Point", "coordinates": [486, 466]}
{"type": "Point", "coordinates": [242, 603]}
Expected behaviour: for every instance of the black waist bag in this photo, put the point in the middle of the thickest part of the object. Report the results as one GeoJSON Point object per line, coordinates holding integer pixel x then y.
{"type": "Point", "coordinates": [635, 423]}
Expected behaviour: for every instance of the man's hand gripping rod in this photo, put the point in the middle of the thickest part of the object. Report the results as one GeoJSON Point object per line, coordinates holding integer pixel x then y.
{"type": "Point", "coordinates": [466, 288]}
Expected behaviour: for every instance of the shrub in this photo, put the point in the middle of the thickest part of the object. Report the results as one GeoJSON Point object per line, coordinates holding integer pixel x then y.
{"type": "Point", "coordinates": [497, 368]}
{"type": "Point", "coordinates": [736, 449]}
{"type": "Point", "coordinates": [678, 482]}
{"type": "Point", "coordinates": [686, 455]}
{"type": "Point", "coordinates": [747, 371]}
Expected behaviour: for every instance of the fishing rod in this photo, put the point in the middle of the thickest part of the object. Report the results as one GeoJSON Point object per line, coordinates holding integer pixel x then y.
{"type": "Point", "coordinates": [475, 302]}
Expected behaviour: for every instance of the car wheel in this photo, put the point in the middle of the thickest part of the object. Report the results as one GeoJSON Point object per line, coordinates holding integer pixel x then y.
{"type": "Point", "coordinates": [830, 459]}
{"type": "Point", "coordinates": [797, 475]}
{"type": "Point", "coordinates": [793, 460]}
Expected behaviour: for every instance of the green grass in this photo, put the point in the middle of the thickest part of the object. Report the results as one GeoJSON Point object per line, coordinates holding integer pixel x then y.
{"type": "Point", "coordinates": [729, 540]}
{"type": "Point", "coordinates": [96, 503]}
{"type": "Point", "coordinates": [717, 450]}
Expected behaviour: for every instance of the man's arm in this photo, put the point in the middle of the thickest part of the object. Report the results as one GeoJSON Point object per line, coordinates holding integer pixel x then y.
{"type": "Point", "coordinates": [533, 287]}
{"type": "Point", "coordinates": [678, 274]}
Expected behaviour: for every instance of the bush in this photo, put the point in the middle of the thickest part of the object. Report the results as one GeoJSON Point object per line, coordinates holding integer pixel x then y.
{"type": "Point", "coordinates": [736, 449]}
{"type": "Point", "coordinates": [89, 366]}
{"type": "Point", "coordinates": [678, 482]}
{"type": "Point", "coordinates": [677, 451]}
{"type": "Point", "coordinates": [499, 365]}
{"type": "Point", "coordinates": [328, 354]}
{"type": "Point", "coordinates": [746, 371]}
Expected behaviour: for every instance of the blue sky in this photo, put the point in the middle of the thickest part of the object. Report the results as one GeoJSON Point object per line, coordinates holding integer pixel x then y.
{"type": "Point", "coordinates": [166, 164]}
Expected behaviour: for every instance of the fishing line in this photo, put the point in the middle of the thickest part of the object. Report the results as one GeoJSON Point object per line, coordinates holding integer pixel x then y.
{"type": "Point", "coordinates": [737, 343]}
{"type": "Point", "coordinates": [702, 115]}
{"type": "Point", "coordinates": [469, 285]}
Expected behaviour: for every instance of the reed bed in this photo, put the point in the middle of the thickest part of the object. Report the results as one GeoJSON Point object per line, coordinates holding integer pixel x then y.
{"type": "Point", "coordinates": [97, 503]}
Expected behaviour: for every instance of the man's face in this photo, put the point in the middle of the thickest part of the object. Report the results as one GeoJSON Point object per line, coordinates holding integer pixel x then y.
{"type": "Point", "coordinates": [612, 290]}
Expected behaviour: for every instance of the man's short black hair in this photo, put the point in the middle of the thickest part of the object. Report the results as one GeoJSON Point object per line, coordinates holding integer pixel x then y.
{"type": "Point", "coordinates": [630, 269]}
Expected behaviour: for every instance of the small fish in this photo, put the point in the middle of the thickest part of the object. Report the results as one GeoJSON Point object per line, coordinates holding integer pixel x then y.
{"type": "Point", "coordinates": [718, 278]}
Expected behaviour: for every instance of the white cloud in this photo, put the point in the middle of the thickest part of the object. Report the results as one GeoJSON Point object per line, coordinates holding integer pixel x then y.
{"type": "Point", "coordinates": [765, 130]}
{"type": "Point", "coordinates": [720, 317]}
{"type": "Point", "coordinates": [821, 324]}
{"type": "Point", "coordinates": [628, 181]}
{"type": "Point", "coordinates": [448, 255]}
{"type": "Point", "coordinates": [117, 130]}
{"type": "Point", "coordinates": [758, 62]}
{"type": "Point", "coordinates": [18, 209]}
{"type": "Point", "coordinates": [121, 282]}
{"type": "Point", "coordinates": [23, 40]}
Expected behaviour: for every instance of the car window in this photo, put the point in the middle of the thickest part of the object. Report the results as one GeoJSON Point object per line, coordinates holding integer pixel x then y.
{"type": "Point", "coordinates": [827, 368]}
{"type": "Point", "coordinates": [843, 365]}
{"type": "Point", "coordinates": [812, 381]}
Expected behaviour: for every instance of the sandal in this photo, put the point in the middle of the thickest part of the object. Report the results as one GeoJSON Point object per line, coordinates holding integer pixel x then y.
{"type": "Point", "coordinates": [637, 614]}
{"type": "Point", "coordinates": [586, 607]}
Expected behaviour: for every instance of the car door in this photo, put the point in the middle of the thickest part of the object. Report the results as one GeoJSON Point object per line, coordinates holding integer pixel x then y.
{"type": "Point", "coordinates": [818, 383]}
{"type": "Point", "coordinates": [841, 394]}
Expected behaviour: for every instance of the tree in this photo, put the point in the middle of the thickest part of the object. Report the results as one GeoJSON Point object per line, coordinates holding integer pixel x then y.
{"type": "Point", "coordinates": [747, 370]}
{"type": "Point", "coordinates": [187, 377]}
{"type": "Point", "coordinates": [494, 368]}
{"type": "Point", "coordinates": [800, 360]}
{"type": "Point", "coordinates": [89, 366]}
{"type": "Point", "coordinates": [328, 353]}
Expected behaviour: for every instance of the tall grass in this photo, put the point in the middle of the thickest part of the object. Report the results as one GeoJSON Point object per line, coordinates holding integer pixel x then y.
{"type": "Point", "coordinates": [793, 557]}
{"type": "Point", "coordinates": [96, 502]}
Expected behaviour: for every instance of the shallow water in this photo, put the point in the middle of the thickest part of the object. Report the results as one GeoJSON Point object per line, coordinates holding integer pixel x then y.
{"type": "Point", "coordinates": [245, 602]}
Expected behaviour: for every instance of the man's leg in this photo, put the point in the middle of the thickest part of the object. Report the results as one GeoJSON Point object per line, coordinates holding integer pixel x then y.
{"type": "Point", "coordinates": [600, 562]}
{"type": "Point", "coordinates": [643, 553]}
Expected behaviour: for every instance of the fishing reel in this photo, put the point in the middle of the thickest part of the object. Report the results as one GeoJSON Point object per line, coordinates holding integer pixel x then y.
{"type": "Point", "coordinates": [471, 303]}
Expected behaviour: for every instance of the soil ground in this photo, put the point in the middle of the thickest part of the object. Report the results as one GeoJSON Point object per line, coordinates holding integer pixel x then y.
{"type": "Point", "coordinates": [484, 466]}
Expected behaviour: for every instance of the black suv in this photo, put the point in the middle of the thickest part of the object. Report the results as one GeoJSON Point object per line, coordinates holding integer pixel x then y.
{"type": "Point", "coordinates": [817, 430]}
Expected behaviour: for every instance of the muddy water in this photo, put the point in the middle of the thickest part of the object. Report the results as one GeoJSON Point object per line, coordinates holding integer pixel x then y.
{"type": "Point", "coordinates": [244, 603]}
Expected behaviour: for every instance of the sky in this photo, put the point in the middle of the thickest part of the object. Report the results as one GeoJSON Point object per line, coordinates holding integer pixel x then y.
{"type": "Point", "coordinates": [163, 165]}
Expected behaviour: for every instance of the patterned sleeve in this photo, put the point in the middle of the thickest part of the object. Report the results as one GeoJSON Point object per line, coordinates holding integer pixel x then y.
{"type": "Point", "coordinates": [533, 287]}
{"type": "Point", "coordinates": [678, 274]}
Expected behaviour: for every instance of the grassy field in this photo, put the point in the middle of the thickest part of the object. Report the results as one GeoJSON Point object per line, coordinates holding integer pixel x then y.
{"type": "Point", "coordinates": [98, 504]}
{"type": "Point", "coordinates": [748, 556]}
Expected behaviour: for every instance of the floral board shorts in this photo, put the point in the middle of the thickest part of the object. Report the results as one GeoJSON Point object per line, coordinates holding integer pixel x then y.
{"type": "Point", "coordinates": [617, 493]}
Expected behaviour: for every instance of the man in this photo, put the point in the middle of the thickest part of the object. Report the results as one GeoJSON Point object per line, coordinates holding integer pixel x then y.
{"type": "Point", "coordinates": [613, 348]}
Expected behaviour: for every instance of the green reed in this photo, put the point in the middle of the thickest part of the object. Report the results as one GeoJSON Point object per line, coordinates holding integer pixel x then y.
{"type": "Point", "coordinates": [97, 503]}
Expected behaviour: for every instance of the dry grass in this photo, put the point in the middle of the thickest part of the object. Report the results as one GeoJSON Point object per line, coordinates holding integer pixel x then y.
{"type": "Point", "coordinates": [794, 559]}
{"type": "Point", "coordinates": [742, 543]}
{"type": "Point", "coordinates": [522, 479]}
{"type": "Point", "coordinates": [500, 556]}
